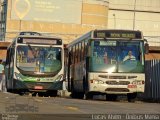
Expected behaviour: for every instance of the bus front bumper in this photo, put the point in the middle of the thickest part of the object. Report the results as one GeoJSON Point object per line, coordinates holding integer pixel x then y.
{"type": "Point", "coordinates": [38, 86]}
{"type": "Point", "coordinates": [115, 89]}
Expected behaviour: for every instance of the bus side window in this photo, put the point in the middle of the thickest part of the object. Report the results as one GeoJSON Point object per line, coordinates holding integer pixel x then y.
{"type": "Point", "coordinates": [73, 55]}
{"type": "Point", "coordinates": [77, 53]}
{"type": "Point", "coordinates": [82, 50]}
{"type": "Point", "coordinates": [70, 55]}
{"type": "Point", "coordinates": [85, 47]}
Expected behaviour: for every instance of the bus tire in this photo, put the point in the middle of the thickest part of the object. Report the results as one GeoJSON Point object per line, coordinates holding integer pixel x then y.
{"type": "Point", "coordinates": [84, 85]}
{"type": "Point", "coordinates": [131, 97]}
{"type": "Point", "coordinates": [89, 96]}
{"type": "Point", "coordinates": [80, 95]}
{"type": "Point", "coordinates": [4, 85]}
{"type": "Point", "coordinates": [73, 94]}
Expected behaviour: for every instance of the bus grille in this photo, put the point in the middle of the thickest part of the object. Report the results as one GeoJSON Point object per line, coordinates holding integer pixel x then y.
{"type": "Point", "coordinates": [117, 77]}
{"type": "Point", "coordinates": [117, 89]}
{"type": "Point", "coordinates": [117, 83]}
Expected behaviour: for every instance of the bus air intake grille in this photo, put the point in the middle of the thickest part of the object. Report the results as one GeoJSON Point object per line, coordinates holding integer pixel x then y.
{"type": "Point", "coordinates": [117, 83]}
{"type": "Point", "coordinates": [103, 76]}
{"type": "Point", "coordinates": [117, 77]}
{"type": "Point", "coordinates": [117, 89]}
{"type": "Point", "coordinates": [131, 77]}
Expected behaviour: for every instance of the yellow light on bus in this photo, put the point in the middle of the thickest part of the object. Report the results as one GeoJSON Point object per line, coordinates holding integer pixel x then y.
{"type": "Point", "coordinates": [111, 70]}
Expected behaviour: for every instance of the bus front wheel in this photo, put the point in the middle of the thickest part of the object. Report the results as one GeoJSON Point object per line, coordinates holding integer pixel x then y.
{"type": "Point", "coordinates": [89, 96]}
{"type": "Point", "coordinates": [3, 84]}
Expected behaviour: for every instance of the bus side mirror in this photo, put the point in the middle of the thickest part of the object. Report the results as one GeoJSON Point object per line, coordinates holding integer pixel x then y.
{"type": "Point", "coordinates": [146, 48]}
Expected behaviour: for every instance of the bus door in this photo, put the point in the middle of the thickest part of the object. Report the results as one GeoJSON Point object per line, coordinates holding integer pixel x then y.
{"type": "Point", "coordinates": [9, 67]}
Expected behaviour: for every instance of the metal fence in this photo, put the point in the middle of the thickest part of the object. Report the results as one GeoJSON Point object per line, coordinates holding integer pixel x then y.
{"type": "Point", "coordinates": [152, 84]}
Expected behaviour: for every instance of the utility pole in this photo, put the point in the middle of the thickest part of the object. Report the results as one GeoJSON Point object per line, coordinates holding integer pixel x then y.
{"type": "Point", "coordinates": [134, 14]}
{"type": "Point", "coordinates": [114, 21]}
{"type": "Point", "coordinates": [20, 25]}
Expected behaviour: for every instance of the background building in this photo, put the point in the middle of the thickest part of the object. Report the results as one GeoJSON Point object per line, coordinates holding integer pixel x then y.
{"type": "Point", "coordinates": [141, 15]}
{"type": "Point", "coordinates": [65, 18]}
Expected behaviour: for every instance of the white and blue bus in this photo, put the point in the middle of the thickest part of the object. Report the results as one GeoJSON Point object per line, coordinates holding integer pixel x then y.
{"type": "Point", "coordinates": [35, 63]}
{"type": "Point", "coordinates": [99, 63]}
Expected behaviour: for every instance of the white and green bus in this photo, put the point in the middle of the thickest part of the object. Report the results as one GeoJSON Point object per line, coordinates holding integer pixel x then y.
{"type": "Point", "coordinates": [97, 64]}
{"type": "Point", "coordinates": [35, 63]}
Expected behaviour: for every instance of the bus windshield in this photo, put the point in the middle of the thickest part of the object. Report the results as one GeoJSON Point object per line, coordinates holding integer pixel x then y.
{"type": "Point", "coordinates": [117, 56]}
{"type": "Point", "coordinates": [38, 60]}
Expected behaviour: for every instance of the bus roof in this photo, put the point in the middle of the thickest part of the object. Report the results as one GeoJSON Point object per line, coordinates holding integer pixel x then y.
{"type": "Point", "coordinates": [30, 33]}
{"type": "Point", "coordinates": [36, 36]}
{"type": "Point", "coordinates": [30, 39]}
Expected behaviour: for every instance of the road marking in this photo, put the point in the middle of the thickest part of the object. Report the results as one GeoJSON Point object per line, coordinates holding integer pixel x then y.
{"type": "Point", "coordinates": [72, 108]}
{"type": "Point", "coordinates": [38, 100]}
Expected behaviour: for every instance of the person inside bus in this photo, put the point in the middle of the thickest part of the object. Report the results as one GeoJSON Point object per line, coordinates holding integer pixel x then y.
{"type": "Point", "coordinates": [52, 55]}
{"type": "Point", "coordinates": [129, 57]}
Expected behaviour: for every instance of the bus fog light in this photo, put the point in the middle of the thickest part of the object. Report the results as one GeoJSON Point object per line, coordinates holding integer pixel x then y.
{"type": "Point", "coordinates": [138, 82]}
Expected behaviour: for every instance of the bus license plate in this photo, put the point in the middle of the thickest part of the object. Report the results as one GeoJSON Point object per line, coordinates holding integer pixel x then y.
{"type": "Point", "coordinates": [132, 86]}
{"type": "Point", "coordinates": [38, 87]}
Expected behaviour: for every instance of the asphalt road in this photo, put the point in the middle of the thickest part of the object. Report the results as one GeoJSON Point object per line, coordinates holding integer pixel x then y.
{"type": "Point", "coordinates": [13, 106]}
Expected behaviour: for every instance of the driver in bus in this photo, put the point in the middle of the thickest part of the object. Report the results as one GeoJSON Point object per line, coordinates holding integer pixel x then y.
{"type": "Point", "coordinates": [129, 57]}
{"type": "Point", "coordinates": [52, 55]}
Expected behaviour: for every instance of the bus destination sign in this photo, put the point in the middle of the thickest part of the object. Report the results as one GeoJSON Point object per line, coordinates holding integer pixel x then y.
{"type": "Point", "coordinates": [117, 34]}
{"type": "Point", "coordinates": [40, 41]}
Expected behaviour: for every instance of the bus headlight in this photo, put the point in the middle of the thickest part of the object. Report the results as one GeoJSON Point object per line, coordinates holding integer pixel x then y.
{"type": "Point", "coordinates": [97, 81]}
{"type": "Point", "coordinates": [141, 82]}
